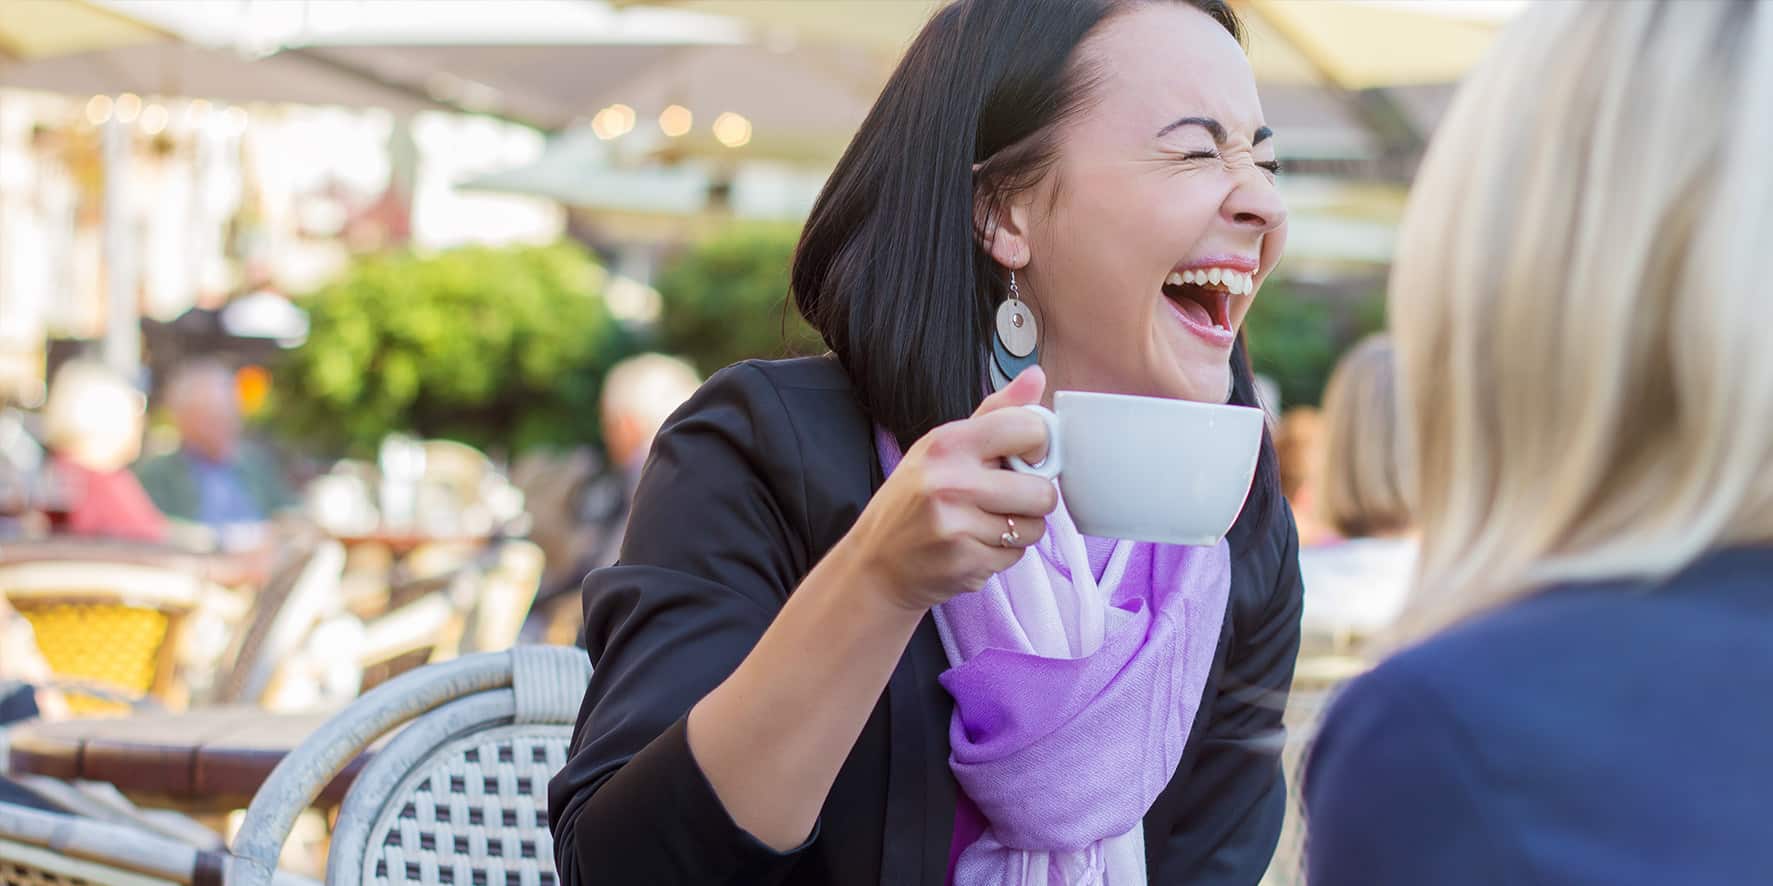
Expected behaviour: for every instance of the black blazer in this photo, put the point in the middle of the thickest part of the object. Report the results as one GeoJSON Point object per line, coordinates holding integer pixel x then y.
{"type": "Point", "coordinates": [749, 484]}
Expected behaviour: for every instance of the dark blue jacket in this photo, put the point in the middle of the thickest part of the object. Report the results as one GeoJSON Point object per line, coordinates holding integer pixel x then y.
{"type": "Point", "coordinates": [1616, 733]}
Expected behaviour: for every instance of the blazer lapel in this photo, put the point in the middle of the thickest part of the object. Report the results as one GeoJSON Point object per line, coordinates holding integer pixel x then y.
{"type": "Point", "coordinates": [921, 792]}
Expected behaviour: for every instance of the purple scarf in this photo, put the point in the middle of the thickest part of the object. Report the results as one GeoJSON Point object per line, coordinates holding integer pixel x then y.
{"type": "Point", "coordinates": [1073, 698]}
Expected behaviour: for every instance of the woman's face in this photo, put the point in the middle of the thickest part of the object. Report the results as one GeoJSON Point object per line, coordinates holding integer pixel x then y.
{"type": "Point", "coordinates": [1161, 178]}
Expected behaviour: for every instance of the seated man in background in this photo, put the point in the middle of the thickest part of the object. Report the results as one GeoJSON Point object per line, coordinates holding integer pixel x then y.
{"type": "Point", "coordinates": [579, 525]}
{"type": "Point", "coordinates": [216, 479]}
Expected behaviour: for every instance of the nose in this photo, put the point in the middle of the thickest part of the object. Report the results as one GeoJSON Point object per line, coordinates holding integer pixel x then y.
{"type": "Point", "coordinates": [1255, 204]}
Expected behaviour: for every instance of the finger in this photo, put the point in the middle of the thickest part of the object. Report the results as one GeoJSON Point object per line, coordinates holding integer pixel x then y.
{"type": "Point", "coordinates": [1025, 389]}
{"type": "Point", "coordinates": [1003, 433]}
{"type": "Point", "coordinates": [1007, 492]}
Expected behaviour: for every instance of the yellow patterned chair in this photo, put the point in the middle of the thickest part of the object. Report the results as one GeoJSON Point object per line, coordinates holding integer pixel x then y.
{"type": "Point", "coordinates": [112, 628]}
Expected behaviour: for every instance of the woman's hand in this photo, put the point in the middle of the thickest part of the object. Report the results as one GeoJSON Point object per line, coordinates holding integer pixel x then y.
{"type": "Point", "coordinates": [935, 529]}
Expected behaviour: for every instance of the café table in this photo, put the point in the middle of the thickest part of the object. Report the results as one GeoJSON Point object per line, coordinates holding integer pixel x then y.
{"type": "Point", "coordinates": [207, 761]}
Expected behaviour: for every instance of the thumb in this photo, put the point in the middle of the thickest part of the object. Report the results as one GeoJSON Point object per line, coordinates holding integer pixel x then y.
{"type": "Point", "coordinates": [1027, 388]}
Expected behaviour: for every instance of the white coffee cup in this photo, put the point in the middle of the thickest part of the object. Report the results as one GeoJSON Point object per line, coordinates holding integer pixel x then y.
{"type": "Point", "coordinates": [1148, 468]}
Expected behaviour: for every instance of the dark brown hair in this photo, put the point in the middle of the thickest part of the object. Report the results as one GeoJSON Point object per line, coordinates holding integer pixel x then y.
{"type": "Point", "coordinates": [889, 268]}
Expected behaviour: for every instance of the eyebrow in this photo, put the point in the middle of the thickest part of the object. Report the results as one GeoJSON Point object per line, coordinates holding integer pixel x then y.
{"type": "Point", "coordinates": [1215, 129]}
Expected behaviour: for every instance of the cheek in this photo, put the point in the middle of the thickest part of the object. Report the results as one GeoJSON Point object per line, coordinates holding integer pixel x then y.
{"type": "Point", "coordinates": [1115, 234]}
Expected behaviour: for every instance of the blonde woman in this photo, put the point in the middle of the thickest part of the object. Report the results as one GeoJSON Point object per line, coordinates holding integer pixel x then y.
{"type": "Point", "coordinates": [1358, 579]}
{"type": "Point", "coordinates": [93, 425]}
{"type": "Point", "coordinates": [1582, 300]}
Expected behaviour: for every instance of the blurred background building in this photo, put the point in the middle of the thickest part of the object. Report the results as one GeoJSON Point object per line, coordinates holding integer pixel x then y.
{"type": "Point", "coordinates": [182, 175]}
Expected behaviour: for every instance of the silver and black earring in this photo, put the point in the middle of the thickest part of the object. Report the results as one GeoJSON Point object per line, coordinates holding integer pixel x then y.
{"type": "Point", "coordinates": [1016, 346]}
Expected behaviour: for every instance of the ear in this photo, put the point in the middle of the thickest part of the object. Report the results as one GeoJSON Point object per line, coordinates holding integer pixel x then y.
{"type": "Point", "coordinates": [1002, 227]}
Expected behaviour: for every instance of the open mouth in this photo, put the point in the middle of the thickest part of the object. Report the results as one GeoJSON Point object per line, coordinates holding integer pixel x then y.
{"type": "Point", "coordinates": [1202, 296]}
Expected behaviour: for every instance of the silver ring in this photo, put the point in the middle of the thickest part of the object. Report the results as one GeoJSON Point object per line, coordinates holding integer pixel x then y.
{"type": "Point", "coordinates": [1009, 538]}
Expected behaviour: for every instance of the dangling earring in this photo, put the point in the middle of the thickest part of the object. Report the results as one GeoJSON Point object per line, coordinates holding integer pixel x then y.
{"type": "Point", "coordinates": [1016, 346]}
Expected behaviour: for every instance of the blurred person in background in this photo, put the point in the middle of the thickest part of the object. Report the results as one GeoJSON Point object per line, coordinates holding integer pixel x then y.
{"type": "Point", "coordinates": [770, 701]}
{"type": "Point", "coordinates": [216, 479]}
{"type": "Point", "coordinates": [1298, 443]}
{"type": "Point", "coordinates": [1359, 579]}
{"type": "Point", "coordinates": [92, 425]}
{"type": "Point", "coordinates": [579, 525]}
{"type": "Point", "coordinates": [1581, 308]}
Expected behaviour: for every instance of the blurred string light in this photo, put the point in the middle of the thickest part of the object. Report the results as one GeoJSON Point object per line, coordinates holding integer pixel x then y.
{"type": "Point", "coordinates": [154, 119]}
{"type": "Point", "coordinates": [129, 107]}
{"type": "Point", "coordinates": [196, 111]}
{"type": "Point", "coordinates": [98, 110]}
{"type": "Point", "coordinates": [614, 121]}
{"type": "Point", "coordinates": [676, 121]}
{"type": "Point", "coordinates": [732, 130]}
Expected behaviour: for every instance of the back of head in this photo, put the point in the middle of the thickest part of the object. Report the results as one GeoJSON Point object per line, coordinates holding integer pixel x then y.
{"type": "Point", "coordinates": [1359, 483]}
{"type": "Point", "coordinates": [1580, 304]}
{"type": "Point", "coordinates": [202, 399]}
{"type": "Point", "coordinates": [1298, 439]}
{"type": "Point", "coordinates": [639, 393]}
{"type": "Point", "coordinates": [93, 416]}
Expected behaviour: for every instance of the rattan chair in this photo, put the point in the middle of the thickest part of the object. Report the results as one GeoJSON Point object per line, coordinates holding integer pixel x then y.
{"type": "Point", "coordinates": [297, 596]}
{"type": "Point", "coordinates": [457, 798]}
{"type": "Point", "coordinates": [46, 849]}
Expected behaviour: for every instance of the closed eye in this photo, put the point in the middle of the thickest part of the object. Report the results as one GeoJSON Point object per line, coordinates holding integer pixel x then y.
{"type": "Point", "coordinates": [1273, 166]}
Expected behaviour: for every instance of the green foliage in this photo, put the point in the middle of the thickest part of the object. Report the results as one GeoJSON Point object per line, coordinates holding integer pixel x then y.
{"type": "Point", "coordinates": [1296, 337]}
{"type": "Point", "coordinates": [726, 299]}
{"type": "Point", "coordinates": [500, 348]}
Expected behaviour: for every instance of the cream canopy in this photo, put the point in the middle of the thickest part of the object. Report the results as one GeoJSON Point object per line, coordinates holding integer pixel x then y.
{"type": "Point", "coordinates": [1351, 44]}
{"type": "Point", "coordinates": [33, 29]}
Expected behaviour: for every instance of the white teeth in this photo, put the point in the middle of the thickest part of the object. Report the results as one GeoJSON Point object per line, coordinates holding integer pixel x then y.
{"type": "Point", "coordinates": [1234, 282]}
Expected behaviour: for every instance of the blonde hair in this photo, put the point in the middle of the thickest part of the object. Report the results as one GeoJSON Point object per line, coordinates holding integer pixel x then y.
{"type": "Point", "coordinates": [93, 415]}
{"type": "Point", "coordinates": [1581, 304]}
{"type": "Point", "coordinates": [1359, 483]}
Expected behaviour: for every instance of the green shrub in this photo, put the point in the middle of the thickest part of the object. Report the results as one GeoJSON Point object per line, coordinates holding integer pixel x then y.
{"type": "Point", "coordinates": [500, 348]}
{"type": "Point", "coordinates": [726, 299]}
{"type": "Point", "coordinates": [1296, 335]}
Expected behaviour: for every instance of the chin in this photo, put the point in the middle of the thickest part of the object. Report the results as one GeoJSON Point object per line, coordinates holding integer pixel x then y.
{"type": "Point", "coordinates": [1202, 378]}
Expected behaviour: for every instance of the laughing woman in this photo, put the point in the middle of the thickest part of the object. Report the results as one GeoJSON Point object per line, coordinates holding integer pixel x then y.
{"type": "Point", "coordinates": [1049, 194]}
{"type": "Point", "coordinates": [1581, 308]}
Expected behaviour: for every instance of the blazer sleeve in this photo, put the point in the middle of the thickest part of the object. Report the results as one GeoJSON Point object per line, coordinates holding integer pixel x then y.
{"type": "Point", "coordinates": [716, 540]}
{"type": "Point", "coordinates": [1235, 790]}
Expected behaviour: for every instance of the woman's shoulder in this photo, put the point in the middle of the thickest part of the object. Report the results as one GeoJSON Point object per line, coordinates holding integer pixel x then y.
{"type": "Point", "coordinates": [1656, 625]}
{"type": "Point", "coordinates": [791, 430]}
{"type": "Point", "coordinates": [788, 413]}
{"type": "Point", "coordinates": [1523, 673]}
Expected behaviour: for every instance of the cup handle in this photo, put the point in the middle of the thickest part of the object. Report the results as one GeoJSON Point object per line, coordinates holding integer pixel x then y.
{"type": "Point", "coordinates": [1049, 466]}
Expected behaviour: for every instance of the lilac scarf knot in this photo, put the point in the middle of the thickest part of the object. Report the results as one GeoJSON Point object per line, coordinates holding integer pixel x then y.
{"type": "Point", "coordinates": [1074, 696]}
